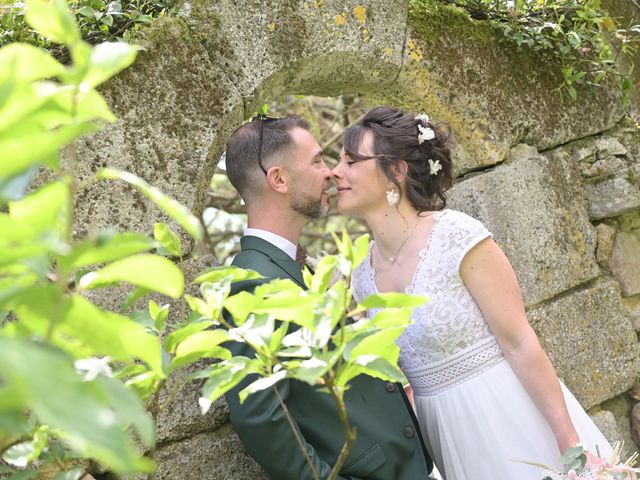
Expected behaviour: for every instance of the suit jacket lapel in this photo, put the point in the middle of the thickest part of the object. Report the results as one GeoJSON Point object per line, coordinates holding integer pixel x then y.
{"type": "Point", "coordinates": [277, 256]}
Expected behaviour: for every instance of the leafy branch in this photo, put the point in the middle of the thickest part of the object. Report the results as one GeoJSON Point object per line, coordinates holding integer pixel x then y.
{"type": "Point", "coordinates": [578, 35]}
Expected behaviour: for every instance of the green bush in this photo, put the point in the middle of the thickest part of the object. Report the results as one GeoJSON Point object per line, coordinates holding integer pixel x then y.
{"type": "Point", "coordinates": [98, 21]}
{"type": "Point", "coordinates": [578, 35]}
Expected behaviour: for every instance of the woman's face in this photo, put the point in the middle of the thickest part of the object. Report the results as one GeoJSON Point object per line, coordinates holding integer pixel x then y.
{"type": "Point", "coordinates": [361, 183]}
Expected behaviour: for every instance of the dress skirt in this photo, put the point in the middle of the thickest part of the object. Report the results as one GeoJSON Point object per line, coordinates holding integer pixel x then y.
{"type": "Point", "coordinates": [483, 428]}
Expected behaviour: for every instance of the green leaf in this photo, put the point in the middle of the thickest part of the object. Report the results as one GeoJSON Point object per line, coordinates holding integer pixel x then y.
{"type": "Point", "coordinates": [145, 385]}
{"type": "Point", "coordinates": [105, 247]}
{"type": "Point", "coordinates": [392, 317]}
{"type": "Point", "coordinates": [200, 307]}
{"type": "Point", "coordinates": [108, 21]}
{"type": "Point", "coordinates": [360, 250]}
{"type": "Point", "coordinates": [381, 343]}
{"type": "Point", "coordinates": [143, 317]}
{"type": "Point", "coordinates": [89, 105]}
{"type": "Point", "coordinates": [176, 337]}
{"type": "Point", "coordinates": [310, 371]}
{"type": "Point", "coordinates": [21, 151]}
{"type": "Point", "coordinates": [371, 365]}
{"type": "Point", "coordinates": [20, 455]}
{"type": "Point", "coordinates": [171, 207]}
{"type": "Point", "coordinates": [45, 209]}
{"type": "Point", "coordinates": [169, 241]}
{"type": "Point", "coordinates": [572, 93]}
{"type": "Point", "coordinates": [128, 407]}
{"type": "Point", "coordinates": [15, 188]}
{"type": "Point", "coordinates": [324, 270]}
{"type": "Point", "coordinates": [261, 384]}
{"type": "Point", "coordinates": [149, 271]}
{"type": "Point", "coordinates": [110, 334]}
{"type": "Point", "coordinates": [53, 20]}
{"type": "Point", "coordinates": [294, 305]}
{"type": "Point", "coordinates": [133, 297]}
{"type": "Point", "coordinates": [28, 252]}
{"type": "Point", "coordinates": [202, 344]}
{"type": "Point", "coordinates": [23, 106]}
{"type": "Point", "coordinates": [48, 382]}
{"type": "Point", "coordinates": [327, 314]}
{"type": "Point", "coordinates": [107, 59]}
{"type": "Point", "coordinates": [74, 474]}
{"type": "Point", "coordinates": [240, 306]}
{"type": "Point", "coordinates": [235, 274]}
{"type": "Point", "coordinates": [571, 454]}
{"type": "Point", "coordinates": [393, 300]}
{"type": "Point", "coordinates": [86, 11]}
{"type": "Point", "coordinates": [344, 244]}
{"type": "Point", "coordinates": [278, 336]}
{"type": "Point", "coordinates": [256, 331]}
{"type": "Point", "coordinates": [158, 314]}
{"type": "Point", "coordinates": [225, 375]}
{"type": "Point", "coordinates": [26, 63]}
{"type": "Point", "coordinates": [24, 475]}
{"type": "Point", "coordinates": [14, 230]}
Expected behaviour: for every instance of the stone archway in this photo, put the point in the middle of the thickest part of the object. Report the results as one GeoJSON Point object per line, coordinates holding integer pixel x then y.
{"type": "Point", "coordinates": [207, 69]}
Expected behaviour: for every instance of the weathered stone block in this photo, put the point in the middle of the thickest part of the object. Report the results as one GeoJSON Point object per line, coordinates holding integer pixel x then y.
{"type": "Point", "coordinates": [612, 197]}
{"type": "Point", "coordinates": [621, 407]}
{"type": "Point", "coordinates": [633, 309]}
{"type": "Point", "coordinates": [217, 455]}
{"type": "Point", "coordinates": [607, 145]}
{"type": "Point", "coordinates": [625, 261]}
{"type": "Point", "coordinates": [174, 105]}
{"type": "Point", "coordinates": [181, 416]}
{"type": "Point", "coordinates": [323, 48]}
{"type": "Point", "coordinates": [534, 206]}
{"type": "Point", "coordinates": [606, 235]}
{"type": "Point", "coordinates": [590, 341]}
{"type": "Point", "coordinates": [606, 423]}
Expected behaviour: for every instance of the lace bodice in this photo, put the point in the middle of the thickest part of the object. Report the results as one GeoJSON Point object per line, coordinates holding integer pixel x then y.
{"type": "Point", "coordinates": [449, 339]}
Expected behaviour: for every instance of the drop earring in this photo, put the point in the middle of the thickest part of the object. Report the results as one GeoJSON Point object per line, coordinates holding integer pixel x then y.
{"type": "Point", "coordinates": [393, 196]}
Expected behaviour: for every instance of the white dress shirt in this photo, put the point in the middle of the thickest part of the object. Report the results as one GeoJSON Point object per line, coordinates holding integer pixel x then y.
{"type": "Point", "coordinates": [274, 239]}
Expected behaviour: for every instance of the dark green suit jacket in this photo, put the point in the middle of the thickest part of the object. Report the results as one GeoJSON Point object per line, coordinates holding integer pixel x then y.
{"type": "Point", "coordinates": [388, 444]}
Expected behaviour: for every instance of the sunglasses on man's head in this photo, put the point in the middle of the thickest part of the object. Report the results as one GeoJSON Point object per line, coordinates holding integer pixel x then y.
{"type": "Point", "coordinates": [261, 118]}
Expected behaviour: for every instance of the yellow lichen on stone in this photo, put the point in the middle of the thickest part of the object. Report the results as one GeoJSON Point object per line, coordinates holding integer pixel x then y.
{"type": "Point", "coordinates": [415, 52]}
{"type": "Point", "coordinates": [365, 35]}
{"type": "Point", "coordinates": [361, 13]}
{"type": "Point", "coordinates": [341, 19]}
{"type": "Point", "coordinates": [272, 27]}
{"type": "Point", "coordinates": [388, 51]}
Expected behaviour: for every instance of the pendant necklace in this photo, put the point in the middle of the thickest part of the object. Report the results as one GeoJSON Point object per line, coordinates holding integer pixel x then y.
{"type": "Point", "coordinates": [395, 257]}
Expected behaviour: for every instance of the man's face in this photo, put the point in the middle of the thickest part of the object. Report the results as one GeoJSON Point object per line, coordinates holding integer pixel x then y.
{"type": "Point", "coordinates": [310, 176]}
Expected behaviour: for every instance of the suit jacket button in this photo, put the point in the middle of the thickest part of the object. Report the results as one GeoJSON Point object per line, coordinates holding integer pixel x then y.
{"type": "Point", "coordinates": [390, 387]}
{"type": "Point", "coordinates": [408, 432]}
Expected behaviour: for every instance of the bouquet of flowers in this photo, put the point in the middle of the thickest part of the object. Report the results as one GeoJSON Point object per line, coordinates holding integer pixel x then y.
{"type": "Point", "coordinates": [581, 465]}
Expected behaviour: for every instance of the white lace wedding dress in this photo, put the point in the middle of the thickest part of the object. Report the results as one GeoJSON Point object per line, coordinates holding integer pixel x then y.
{"type": "Point", "coordinates": [475, 416]}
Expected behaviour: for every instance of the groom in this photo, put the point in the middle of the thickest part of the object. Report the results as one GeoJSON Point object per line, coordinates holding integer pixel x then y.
{"type": "Point", "coordinates": [278, 168]}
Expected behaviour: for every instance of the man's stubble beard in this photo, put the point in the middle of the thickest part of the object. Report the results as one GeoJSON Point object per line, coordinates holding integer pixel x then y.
{"type": "Point", "coordinates": [311, 207]}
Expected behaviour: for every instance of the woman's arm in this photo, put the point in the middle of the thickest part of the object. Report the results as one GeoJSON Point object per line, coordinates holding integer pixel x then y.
{"type": "Point", "coordinates": [488, 275]}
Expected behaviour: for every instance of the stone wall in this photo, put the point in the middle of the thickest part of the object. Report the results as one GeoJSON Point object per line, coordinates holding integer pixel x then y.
{"type": "Point", "coordinates": [556, 181]}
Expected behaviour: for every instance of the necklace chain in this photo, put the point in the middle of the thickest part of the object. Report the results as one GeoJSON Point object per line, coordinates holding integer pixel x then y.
{"type": "Point", "coordinates": [395, 257]}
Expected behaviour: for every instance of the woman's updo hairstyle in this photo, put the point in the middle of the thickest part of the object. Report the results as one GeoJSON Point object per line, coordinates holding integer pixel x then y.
{"type": "Point", "coordinates": [395, 138]}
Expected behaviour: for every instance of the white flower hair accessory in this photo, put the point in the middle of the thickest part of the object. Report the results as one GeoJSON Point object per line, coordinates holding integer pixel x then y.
{"type": "Point", "coordinates": [422, 118]}
{"type": "Point", "coordinates": [434, 166]}
{"type": "Point", "coordinates": [426, 133]}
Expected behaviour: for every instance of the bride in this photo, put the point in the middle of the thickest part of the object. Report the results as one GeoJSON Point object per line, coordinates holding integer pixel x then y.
{"type": "Point", "coordinates": [486, 394]}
